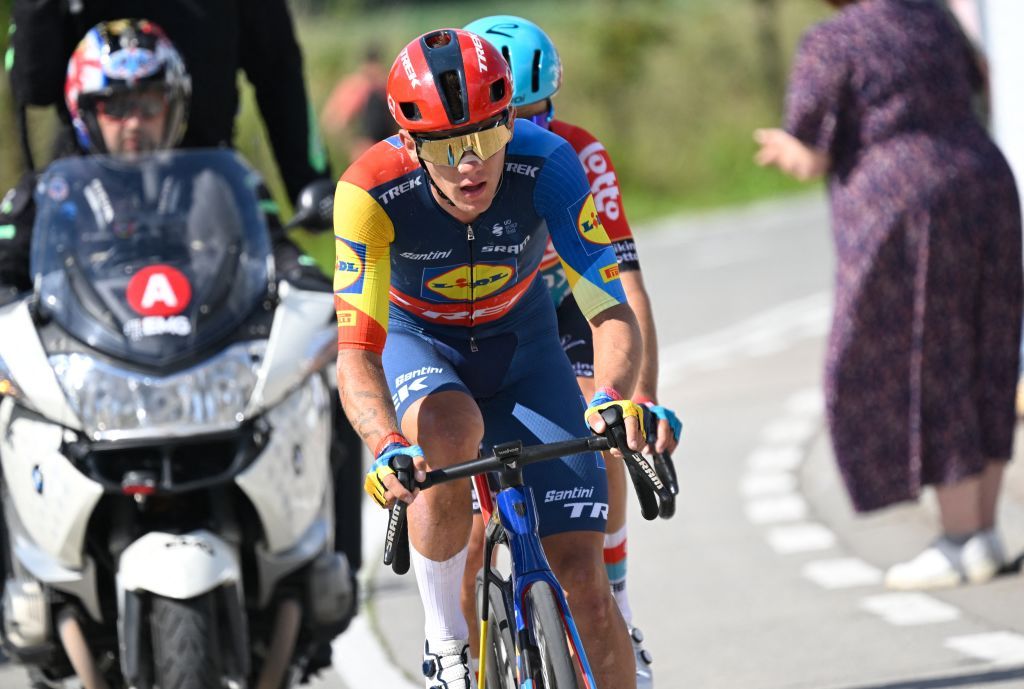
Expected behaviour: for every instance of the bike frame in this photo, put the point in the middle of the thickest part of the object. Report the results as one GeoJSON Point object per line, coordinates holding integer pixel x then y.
{"type": "Point", "coordinates": [515, 522]}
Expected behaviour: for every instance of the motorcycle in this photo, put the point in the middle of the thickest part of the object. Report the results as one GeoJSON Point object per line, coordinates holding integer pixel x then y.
{"type": "Point", "coordinates": [165, 434]}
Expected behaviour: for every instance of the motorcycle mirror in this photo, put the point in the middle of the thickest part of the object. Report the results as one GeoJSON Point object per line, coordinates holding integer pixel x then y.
{"type": "Point", "coordinates": [314, 209]}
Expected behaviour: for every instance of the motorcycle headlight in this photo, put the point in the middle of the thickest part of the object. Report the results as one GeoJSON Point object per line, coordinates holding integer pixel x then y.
{"type": "Point", "coordinates": [115, 403]}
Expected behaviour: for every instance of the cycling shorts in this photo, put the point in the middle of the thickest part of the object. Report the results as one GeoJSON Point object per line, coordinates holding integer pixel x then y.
{"type": "Point", "coordinates": [526, 391]}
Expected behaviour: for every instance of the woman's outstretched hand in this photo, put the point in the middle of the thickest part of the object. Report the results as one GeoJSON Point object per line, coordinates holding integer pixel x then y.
{"type": "Point", "coordinates": [789, 154]}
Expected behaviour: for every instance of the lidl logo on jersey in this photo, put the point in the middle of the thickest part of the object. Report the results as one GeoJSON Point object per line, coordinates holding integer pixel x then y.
{"type": "Point", "coordinates": [349, 267]}
{"type": "Point", "coordinates": [588, 224]}
{"type": "Point", "coordinates": [454, 284]}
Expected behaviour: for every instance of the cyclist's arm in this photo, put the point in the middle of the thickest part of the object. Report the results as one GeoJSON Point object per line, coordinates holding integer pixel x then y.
{"type": "Point", "coordinates": [563, 197]}
{"type": "Point", "coordinates": [362, 277]}
{"type": "Point", "coordinates": [636, 294]}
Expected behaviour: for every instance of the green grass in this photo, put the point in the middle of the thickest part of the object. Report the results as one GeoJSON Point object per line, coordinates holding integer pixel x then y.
{"type": "Point", "coordinates": [674, 88]}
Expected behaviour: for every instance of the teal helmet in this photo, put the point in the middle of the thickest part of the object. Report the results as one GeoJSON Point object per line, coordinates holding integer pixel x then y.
{"type": "Point", "coordinates": [536, 68]}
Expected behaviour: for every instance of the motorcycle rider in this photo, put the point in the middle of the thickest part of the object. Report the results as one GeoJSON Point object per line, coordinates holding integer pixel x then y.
{"type": "Point", "coordinates": [537, 77]}
{"type": "Point", "coordinates": [128, 92]}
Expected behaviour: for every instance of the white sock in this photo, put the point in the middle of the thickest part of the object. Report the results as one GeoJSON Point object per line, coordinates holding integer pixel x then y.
{"type": "Point", "coordinates": [440, 585]}
{"type": "Point", "coordinates": [615, 565]}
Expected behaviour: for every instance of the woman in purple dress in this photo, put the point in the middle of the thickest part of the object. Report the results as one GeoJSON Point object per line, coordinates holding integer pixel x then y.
{"type": "Point", "coordinates": [922, 359]}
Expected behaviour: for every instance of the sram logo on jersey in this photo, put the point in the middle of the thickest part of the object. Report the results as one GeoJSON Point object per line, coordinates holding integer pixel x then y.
{"type": "Point", "coordinates": [588, 224]}
{"type": "Point", "coordinates": [455, 284]}
{"type": "Point", "coordinates": [512, 249]}
{"type": "Point", "coordinates": [349, 266]}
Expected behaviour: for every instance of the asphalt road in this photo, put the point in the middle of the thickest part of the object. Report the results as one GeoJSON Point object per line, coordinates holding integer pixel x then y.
{"type": "Point", "coordinates": [764, 579]}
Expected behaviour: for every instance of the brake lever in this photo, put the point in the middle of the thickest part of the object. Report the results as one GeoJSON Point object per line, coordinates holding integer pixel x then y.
{"type": "Point", "coordinates": [396, 539]}
{"type": "Point", "coordinates": [666, 470]}
{"type": "Point", "coordinates": [650, 489]}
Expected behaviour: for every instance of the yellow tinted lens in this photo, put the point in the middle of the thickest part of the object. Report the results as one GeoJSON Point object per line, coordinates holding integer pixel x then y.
{"type": "Point", "coordinates": [450, 151]}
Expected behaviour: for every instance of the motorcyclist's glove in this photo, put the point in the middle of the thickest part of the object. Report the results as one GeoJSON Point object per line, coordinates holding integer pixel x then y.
{"type": "Point", "coordinates": [381, 467]}
{"type": "Point", "coordinates": [608, 397]}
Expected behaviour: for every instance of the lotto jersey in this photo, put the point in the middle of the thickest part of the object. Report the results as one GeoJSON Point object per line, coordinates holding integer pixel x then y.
{"type": "Point", "coordinates": [604, 186]}
{"type": "Point", "coordinates": [400, 255]}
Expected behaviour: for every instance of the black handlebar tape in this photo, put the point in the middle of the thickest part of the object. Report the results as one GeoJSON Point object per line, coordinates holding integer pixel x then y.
{"type": "Point", "coordinates": [396, 541]}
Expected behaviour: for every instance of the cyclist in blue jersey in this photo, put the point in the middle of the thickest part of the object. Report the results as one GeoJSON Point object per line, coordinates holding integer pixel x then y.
{"type": "Point", "coordinates": [448, 339]}
{"type": "Point", "coordinates": [537, 77]}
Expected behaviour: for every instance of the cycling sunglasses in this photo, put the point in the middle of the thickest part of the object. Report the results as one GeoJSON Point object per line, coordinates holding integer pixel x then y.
{"type": "Point", "coordinates": [449, 150]}
{"type": "Point", "coordinates": [122, 106]}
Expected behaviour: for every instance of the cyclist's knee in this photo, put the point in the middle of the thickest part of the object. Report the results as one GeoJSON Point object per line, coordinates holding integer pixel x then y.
{"type": "Point", "coordinates": [448, 425]}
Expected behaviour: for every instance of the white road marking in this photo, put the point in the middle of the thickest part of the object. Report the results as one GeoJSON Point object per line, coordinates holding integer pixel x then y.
{"type": "Point", "coordinates": [841, 573]}
{"type": "Point", "coordinates": [775, 509]}
{"type": "Point", "coordinates": [789, 431]}
{"type": "Point", "coordinates": [756, 485]}
{"type": "Point", "coordinates": [808, 402]}
{"type": "Point", "coordinates": [775, 459]}
{"type": "Point", "coordinates": [909, 609]}
{"type": "Point", "coordinates": [800, 538]}
{"type": "Point", "coordinates": [1002, 648]}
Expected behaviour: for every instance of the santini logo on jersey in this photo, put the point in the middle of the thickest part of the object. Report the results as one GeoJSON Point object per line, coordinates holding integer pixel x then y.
{"type": "Point", "coordinates": [429, 256]}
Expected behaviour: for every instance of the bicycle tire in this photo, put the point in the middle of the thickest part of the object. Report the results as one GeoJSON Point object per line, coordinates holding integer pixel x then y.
{"type": "Point", "coordinates": [556, 665]}
{"type": "Point", "coordinates": [501, 649]}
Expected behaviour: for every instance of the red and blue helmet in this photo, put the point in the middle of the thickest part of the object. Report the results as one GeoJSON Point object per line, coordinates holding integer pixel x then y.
{"type": "Point", "coordinates": [448, 79]}
{"type": "Point", "coordinates": [120, 56]}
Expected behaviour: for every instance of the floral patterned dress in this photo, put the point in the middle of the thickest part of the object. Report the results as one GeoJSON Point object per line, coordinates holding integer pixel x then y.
{"type": "Point", "coordinates": [923, 355]}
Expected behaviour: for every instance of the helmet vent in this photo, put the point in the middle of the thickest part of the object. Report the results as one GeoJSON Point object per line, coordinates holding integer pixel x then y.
{"type": "Point", "coordinates": [451, 86]}
{"type": "Point", "coordinates": [438, 39]}
{"type": "Point", "coordinates": [410, 111]}
{"type": "Point", "coordinates": [506, 54]}
{"type": "Point", "coordinates": [498, 89]}
{"type": "Point", "coordinates": [535, 72]}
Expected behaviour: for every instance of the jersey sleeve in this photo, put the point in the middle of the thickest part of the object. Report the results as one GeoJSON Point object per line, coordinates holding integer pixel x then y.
{"type": "Point", "coordinates": [604, 185]}
{"type": "Point", "coordinates": [363, 234]}
{"type": "Point", "coordinates": [563, 198]}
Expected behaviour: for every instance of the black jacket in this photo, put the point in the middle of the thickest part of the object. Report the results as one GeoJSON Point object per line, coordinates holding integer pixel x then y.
{"type": "Point", "coordinates": [216, 38]}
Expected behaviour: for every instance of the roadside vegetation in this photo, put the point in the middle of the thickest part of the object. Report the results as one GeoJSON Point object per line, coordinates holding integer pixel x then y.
{"type": "Point", "coordinates": [674, 88]}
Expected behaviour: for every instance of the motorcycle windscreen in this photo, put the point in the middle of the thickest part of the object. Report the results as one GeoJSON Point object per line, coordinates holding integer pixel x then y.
{"type": "Point", "coordinates": [150, 259]}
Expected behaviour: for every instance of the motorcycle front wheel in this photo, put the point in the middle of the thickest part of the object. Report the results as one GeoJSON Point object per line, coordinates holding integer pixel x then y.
{"type": "Point", "coordinates": [186, 648]}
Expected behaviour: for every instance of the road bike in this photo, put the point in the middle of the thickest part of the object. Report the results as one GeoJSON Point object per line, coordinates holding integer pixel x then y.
{"type": "Point", "coordinates": [528, 638]}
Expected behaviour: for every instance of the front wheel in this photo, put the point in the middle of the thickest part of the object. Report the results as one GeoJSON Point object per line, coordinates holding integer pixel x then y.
{"type": "Point", "coordinates": [500, 669]}
{"type": "Point", "coordinates": [186, 650]}
{"type": "Point", "coordinates": [545, 615]}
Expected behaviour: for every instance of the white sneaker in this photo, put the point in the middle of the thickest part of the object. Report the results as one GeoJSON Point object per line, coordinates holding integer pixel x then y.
{"type": "Point", "coordinates": [945, 563]}
{"type": "Point", "coordinates": [644, 674]}
{"type": "Point", "coordinates": [447, 665]}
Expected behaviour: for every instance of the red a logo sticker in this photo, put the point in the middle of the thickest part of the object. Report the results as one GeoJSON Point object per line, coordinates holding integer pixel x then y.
{"type": "Point", "coordinates": [159, 291]}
